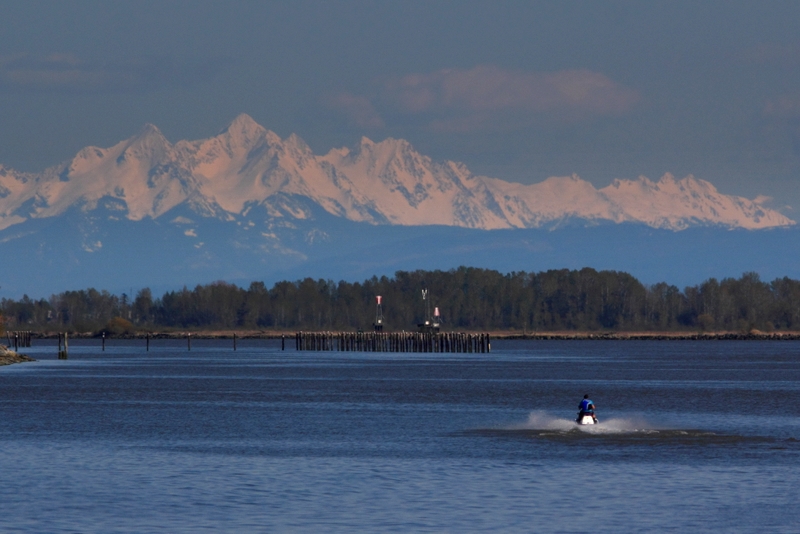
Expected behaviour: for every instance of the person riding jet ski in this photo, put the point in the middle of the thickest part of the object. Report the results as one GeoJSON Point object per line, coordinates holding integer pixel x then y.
{"type": "Point", "coordinates": [586, 407]}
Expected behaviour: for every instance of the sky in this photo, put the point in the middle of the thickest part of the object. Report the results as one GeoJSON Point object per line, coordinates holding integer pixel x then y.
{"type": "Point", "coordinates": [515, 90]}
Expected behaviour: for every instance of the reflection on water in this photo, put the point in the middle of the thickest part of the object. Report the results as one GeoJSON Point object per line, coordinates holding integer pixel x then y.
{"type": "Point", "coordinates": [693, 436]}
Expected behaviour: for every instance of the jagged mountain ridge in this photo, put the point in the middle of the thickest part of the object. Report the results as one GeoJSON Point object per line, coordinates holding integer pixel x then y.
{"type": "Point", "coordinates": [246, 166]}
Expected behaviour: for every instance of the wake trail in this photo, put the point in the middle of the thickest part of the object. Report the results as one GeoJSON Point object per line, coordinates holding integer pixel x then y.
{"type": "Point", "coordinates": [541, 420]}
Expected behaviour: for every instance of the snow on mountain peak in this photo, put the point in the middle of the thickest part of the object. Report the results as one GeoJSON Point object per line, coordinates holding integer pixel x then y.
{"type": "Point", "coordinates": [149, 129]}
{"type": "Point", "coordinates": [243, 131]}
{"type": "Point", "coordinates": [386, 182]}
{"type": "Point", "coordinates": [244, 123]}
{"type": "Point", "coordinates": [296, 142]}
{"type": "Point", "coordinates": [150, 145]}
{"type": "Point", "coordinates": [678, 204]}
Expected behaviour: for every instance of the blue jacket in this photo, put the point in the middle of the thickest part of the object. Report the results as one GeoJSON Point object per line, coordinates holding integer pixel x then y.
{"type": "Point", "coordinates": [584, 406]}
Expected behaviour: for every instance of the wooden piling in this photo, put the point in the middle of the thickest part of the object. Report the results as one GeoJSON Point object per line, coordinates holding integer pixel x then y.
{"type": "Point", "coordinates": [63, 354]}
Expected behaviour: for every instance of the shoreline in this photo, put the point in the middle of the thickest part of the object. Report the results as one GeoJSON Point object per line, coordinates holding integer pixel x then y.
{"type": "Point", "coordinates": [8, 357]}
{"type": "Point", "coordinates": [655, 336]}
{"type": "Point", "coordinates": [569, 335]}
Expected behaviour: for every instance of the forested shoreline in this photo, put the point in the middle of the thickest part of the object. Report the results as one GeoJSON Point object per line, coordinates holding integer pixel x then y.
{"type": "Point", "coordinates": [468, 299]}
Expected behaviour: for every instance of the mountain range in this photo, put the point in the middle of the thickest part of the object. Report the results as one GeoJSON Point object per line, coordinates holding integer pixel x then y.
{"type": "Point", "coordinates": [248, 204]}
{"type": "Point", "coordinates": [378, 183]}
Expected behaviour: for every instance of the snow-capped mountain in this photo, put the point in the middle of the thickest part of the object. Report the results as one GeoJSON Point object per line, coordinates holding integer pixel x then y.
{"type": "Point", "coordinates": [247, 166]}
{"type": "Point", "coordinates": [247, 205]}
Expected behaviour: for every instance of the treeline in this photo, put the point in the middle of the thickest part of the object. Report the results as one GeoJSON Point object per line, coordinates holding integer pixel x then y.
{"type": "Point", "coordinates": [468, 298]}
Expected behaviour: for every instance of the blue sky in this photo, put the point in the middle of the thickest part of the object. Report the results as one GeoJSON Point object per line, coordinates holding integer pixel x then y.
{"type": "Point", "coordinates": [516, 90]}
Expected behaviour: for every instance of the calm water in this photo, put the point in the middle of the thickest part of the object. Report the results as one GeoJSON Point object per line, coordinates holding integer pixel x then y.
{"type": "Point", "coordinates": [694, 436]}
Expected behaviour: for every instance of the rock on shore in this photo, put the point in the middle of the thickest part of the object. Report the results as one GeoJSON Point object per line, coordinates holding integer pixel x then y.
{"type": "Point", "coordinates": [7, 357]}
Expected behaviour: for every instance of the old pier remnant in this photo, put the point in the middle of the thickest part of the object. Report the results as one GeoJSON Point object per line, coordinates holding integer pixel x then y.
{"type": "Point", "coordinates": [19, 339]}
{"type": "Point", "coordinates": [393, 342]}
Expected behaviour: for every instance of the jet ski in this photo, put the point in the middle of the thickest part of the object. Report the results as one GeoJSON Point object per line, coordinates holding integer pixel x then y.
{"type": "Point", "coordinates": [586, 419]}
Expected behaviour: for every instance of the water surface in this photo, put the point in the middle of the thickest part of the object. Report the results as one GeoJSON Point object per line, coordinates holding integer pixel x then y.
{"type": "Point", "coordinates": [694, 436]}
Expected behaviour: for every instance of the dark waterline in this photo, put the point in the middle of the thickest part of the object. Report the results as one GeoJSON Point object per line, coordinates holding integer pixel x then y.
{"type": "Point", "coordinates": [693, 436]}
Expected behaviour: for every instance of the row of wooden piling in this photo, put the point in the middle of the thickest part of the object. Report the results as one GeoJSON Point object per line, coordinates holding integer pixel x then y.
{"type": "Point", "coordinates": [21, 339]}
{"type": "Point", "coordinates": [393, 342]}
{"type": "Point", "coordinates": [18, 339]}
{"type": "Point", "coordinates": [459, 342]}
